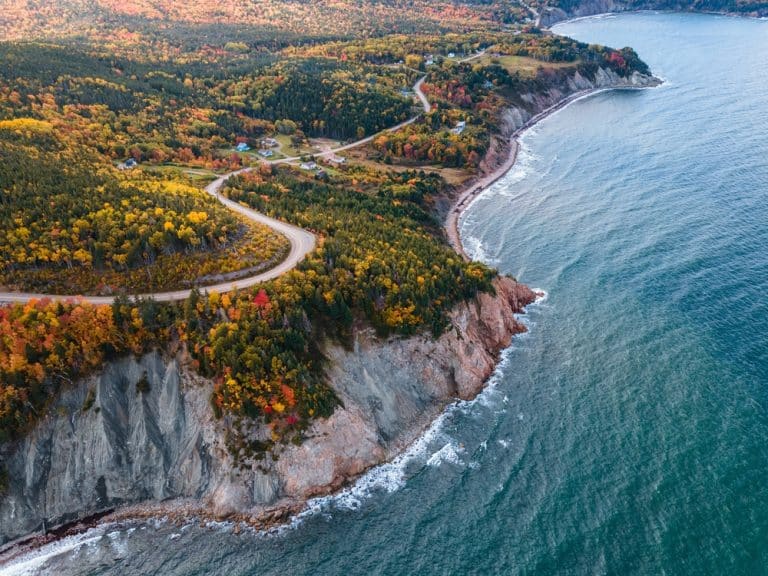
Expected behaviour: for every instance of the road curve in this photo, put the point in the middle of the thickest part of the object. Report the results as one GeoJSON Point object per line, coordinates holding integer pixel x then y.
{"type": "Point", "coordinates": [302, 243]}
{"type": "Point", "coordinates": [422, 100]}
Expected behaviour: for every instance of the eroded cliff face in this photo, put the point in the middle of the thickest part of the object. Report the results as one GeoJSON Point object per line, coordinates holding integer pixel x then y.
{"type": "Point", "coordinates": [552, 15]}
{"type": "Point", "coordinates": [149, 434]}
{"type": "Point", "coordinates": [560, 88]}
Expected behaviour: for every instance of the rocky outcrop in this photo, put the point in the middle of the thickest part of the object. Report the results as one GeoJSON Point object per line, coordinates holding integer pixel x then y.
{"type": "Point", "coordinates": [551, 15]}
{"type": "Point", "coordinates": [561, 88]}
{"type": "Point", "coordinates": [143, 429]}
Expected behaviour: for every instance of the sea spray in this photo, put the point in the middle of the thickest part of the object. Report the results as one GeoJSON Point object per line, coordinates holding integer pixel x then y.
{"type": "Point", "coordinates": [433, 448]}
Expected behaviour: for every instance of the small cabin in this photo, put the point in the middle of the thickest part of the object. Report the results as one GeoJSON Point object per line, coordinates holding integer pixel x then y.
{"type": "Point", "coordinates": [242, 147]}
{"type": "Point", "coordinates": [266, 153]}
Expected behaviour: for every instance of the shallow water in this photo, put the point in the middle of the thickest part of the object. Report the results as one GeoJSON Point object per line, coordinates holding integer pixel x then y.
{"type": "Point", "coordinates": [627, 432]}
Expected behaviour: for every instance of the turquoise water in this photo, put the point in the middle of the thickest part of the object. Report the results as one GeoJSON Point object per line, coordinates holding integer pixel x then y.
{"type": "Point", "coordinates": [627, 433]}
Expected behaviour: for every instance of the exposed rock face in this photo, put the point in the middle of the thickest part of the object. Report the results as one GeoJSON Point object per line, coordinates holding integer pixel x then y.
{"type": "Point", "coordinates": [140, 443]}
{"type": "Point", "coordinates": [565, 86]}
{"type": "Point", "coordinates": [128, 446]}
{"type": "Point", "coordinates": [530, 107]}
{"type": "Point", "coordinates": [552, 15]}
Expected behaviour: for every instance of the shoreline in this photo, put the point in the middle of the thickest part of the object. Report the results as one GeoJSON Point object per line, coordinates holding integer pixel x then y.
{"type": "Point", "coordinates": [477, 186]}
{"type": "Point", "coordinates": [572, 18]}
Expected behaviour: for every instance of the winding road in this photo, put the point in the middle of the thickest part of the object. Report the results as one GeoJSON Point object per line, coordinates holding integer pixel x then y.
{"type": "Point", "coordinates": [302, 241]}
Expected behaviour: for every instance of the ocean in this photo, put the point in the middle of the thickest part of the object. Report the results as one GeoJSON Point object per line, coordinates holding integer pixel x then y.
{"type": "Point", "coordinates": [627, 432]}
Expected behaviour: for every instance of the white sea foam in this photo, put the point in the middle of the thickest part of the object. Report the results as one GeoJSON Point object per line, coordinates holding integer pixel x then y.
{"type": "Point", "coordinates": [564, 23]}
{"type": "Point", "coordinates": [393, 475]}
{"type": "Point", "coordinates": [477, 250]}
{"type": "Point", "coordinates": [30, 563]}
{"type": "Point", "coordinates": [118, 542]}
{"type": "Point", "coordinates": [447, 454]}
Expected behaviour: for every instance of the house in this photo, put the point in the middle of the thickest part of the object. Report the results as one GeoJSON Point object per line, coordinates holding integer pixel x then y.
{"type": "Point", "coordinates": [266, 153]}
{"type": "Point", "coordinates": [308, 165]}
{"type": "Point", "coordinates": [269, 143]}
{"type": "Point", "coordinates": [451, 55]}
{"type": "Point", "coordinates": [242, 147]}
{"type": "Point", "coordinates": [429, 60]}
{"type": "Point", "coordinates": [336, 160]}
{"type": "Point", "coordinates": [128, 164]}
{"type": "Point", "coordinates": [459, 128]}
{"type": "Point", "coordinates": [321, 175]}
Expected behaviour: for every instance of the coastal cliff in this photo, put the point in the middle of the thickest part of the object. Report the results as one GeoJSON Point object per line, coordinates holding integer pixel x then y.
{"type": "Point", "coordinates": [534, 106]}
{"type": "Point", "coordinates": [143, 430]}
{"type": "Point", "coordinates": [559, 88]}
{"type": "Point", "coordinates": [551, 15]}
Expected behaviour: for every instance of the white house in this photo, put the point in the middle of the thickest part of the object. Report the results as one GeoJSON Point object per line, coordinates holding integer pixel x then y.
{"type": "Point", "coordinates": [459, 128]}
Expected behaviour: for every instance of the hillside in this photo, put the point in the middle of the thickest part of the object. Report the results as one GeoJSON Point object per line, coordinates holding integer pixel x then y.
{"type": "Point", "coordinates": [271, 22]}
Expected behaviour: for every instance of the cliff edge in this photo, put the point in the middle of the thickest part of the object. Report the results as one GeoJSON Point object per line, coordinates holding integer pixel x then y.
{"type": "Point", "coordinates": [143, 430]}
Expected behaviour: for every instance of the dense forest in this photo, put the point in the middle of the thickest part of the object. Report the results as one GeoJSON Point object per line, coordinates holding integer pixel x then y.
{"type": "Point", "coordinates": [270, 22]}
{"type": "Point", "coordinates": [71, 223]}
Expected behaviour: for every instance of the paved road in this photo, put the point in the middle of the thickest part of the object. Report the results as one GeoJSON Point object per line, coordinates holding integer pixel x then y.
{"type": "Point", "coordinates": [422, 100]}
{"type": "Point", "coordinates": [302, 242]}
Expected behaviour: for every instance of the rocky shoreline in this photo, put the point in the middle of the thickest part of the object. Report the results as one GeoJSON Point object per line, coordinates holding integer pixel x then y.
{"type": "Point", "coordinates": [161, 454]}
{"type": "Point", "coordinates": [493, 170]}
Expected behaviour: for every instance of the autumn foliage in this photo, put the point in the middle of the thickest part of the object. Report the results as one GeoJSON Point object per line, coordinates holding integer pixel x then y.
{"type": "Point", "coordinates": [44, 345]}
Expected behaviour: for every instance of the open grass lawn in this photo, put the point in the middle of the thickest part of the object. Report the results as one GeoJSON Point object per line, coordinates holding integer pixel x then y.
{"type": "Point", "coordinates": [523, 64]}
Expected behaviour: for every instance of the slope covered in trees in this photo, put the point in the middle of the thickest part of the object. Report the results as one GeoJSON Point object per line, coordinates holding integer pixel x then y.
{"type": "Point", "coordinates": [382, 262]}
{"type": "Point", "coordinates": [73, 224]}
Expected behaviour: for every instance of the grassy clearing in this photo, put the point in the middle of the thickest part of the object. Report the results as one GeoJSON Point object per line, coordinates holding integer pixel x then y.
{"type": "Point", "coordinates": [524, 65]}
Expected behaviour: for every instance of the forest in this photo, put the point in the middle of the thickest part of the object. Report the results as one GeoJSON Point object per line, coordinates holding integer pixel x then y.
{"type": "Point", "coordinates": [71, 223]}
